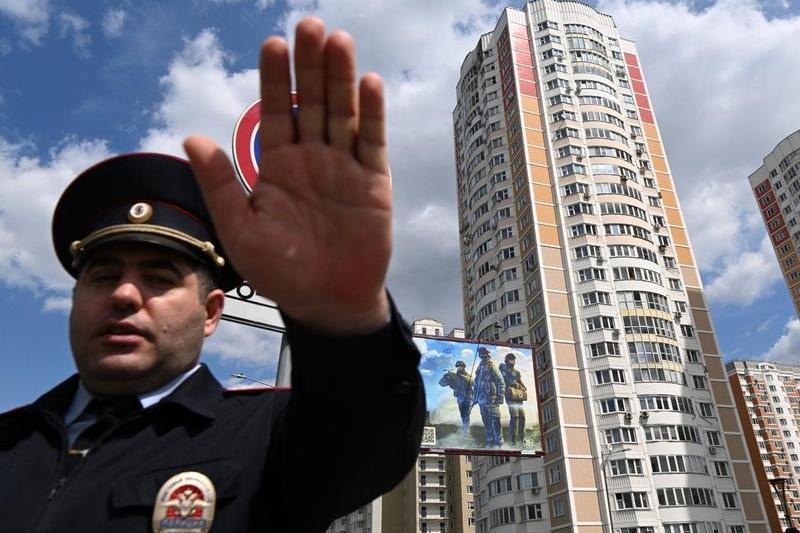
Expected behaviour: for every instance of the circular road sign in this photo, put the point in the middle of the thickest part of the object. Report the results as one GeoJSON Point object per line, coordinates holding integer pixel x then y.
{"type": "Point", "coordinates": [246, 140]}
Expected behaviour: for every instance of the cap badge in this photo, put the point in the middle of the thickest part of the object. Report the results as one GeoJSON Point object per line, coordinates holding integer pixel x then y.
{"type": "Point", "coordinates": [140, 213]}
{"type": "Point", "coordinates": [185, 504]}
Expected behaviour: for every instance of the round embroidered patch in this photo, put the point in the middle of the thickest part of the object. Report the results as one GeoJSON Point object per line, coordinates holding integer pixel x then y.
{"type": "Point", "coordinates": [185, 504]}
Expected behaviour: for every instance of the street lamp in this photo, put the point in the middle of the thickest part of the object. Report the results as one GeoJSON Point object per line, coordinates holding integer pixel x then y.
{"type": "Point", "coordinates": [603, 462]}
{"type": "Point", "coordinates": [779, 486]}
{"type": "Point", "coordinates": [240, 375]}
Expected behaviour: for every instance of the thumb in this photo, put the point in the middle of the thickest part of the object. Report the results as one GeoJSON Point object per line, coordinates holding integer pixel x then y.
{"type": "Point", "coordinates": [224, 196]}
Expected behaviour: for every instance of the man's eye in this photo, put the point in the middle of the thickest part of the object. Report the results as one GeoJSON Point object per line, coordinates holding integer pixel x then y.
{"type": "Point", "coordinates": [102, 277]}
{"type": "Point", "coordinates": [160, 280]}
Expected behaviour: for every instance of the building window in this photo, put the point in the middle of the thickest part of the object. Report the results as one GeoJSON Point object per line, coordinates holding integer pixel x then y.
{"type": "Point", "coordinates": [626, 467]}
{"type": "Point", "coordinates": [554, 474]}
{"type": "Point", "coordinates": [558, 508]}
{"type": "Point", "coordinates": [531, 511]}
{"type": "Point", "coordinates": [611, 375]}
{"type": "Point", "coordinates": [631, 500]}
{"type": "Point", "coordinates": [699, 382]}
{"type": "Point", "coordinates": [729, 500]}
{"type": "Point", "coordinates": [620, 435]}
{"type": "Point", "coordinates": [721, 468]}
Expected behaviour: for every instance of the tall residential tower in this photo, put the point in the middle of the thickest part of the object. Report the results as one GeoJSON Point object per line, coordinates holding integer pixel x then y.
{"type": "Point", "coordinates": [573, 240]}
{"type": "Point", "coordinates": [776, 187]}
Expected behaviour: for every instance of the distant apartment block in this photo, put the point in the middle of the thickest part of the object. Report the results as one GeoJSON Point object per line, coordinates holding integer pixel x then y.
{"type": "Point", "coordinates": [768, 400]}
{"type": "Point", "coordinates": [777, 190]}
{"type": "Point", "coordinates": [573, 240]}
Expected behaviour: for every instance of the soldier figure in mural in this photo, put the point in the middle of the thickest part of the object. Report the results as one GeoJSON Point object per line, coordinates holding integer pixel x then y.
{"type": "Point", "coordinates": [515, 393]}
{"type": "Point", "coordinates": [461, 383]}
{"type": "Point", "coordinates": [489, 394]}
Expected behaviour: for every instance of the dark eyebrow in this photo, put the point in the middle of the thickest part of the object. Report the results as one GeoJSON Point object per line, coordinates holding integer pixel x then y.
{"type": "Point", "coordinates": [100, 260]}
{"type": "Point", "coordinates": [178, 268]}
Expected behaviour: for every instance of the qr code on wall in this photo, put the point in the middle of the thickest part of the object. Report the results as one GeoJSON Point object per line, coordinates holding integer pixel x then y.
{"type": "Point", "coordinates": [428, 436]}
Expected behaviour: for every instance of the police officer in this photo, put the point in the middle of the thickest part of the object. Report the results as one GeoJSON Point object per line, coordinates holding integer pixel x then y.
{"type": "Point", "coordinates": [515, 392]}
{"type": "Point", "coordinates": [489, 394]}
{"type": "Point", "coordinates": [461, 383]}
{"type": "Point", "coordinates": [143, 438]}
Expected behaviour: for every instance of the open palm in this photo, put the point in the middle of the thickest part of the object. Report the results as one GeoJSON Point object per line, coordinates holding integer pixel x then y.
{"type": "Point", "coordinates": [315, 235]}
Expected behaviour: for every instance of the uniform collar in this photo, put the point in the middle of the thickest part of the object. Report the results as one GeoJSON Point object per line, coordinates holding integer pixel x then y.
{"type": "Point", "coordinates": [198, 392]}
{"type": "Point", "coordinates": [83, 396]}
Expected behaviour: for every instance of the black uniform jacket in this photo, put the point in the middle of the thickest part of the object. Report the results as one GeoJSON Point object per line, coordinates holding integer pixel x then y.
{"type": "Point", "coordinates": [280, 460]}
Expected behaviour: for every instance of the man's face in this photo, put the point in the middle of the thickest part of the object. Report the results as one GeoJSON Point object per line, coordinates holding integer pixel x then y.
{"type": "Point", "coordinates": [461, 369]}
{"type": "Point", "coordinates": [510, 362]}
{"type": "Point", "coordinates": [138, 318]}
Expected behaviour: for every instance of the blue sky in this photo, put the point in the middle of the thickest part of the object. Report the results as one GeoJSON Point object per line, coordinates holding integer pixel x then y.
{"type": "Point", "coordinates": [83, 80]}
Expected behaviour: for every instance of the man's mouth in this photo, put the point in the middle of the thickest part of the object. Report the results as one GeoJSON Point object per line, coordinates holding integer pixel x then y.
{"type": "Point", "coordinates": [123, 333]}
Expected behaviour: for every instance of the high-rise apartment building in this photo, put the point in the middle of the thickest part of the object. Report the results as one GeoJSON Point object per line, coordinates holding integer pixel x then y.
{"type": "Point", "coordinates": [777, 190]}
{"type": "Point", "coordinates": [573, 240]}
{"type": "Point", "coordinates": [767, 397]}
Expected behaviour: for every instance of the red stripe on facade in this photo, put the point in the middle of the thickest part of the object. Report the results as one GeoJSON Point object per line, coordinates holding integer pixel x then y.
{"type": "Point", "coordinates": [523, 45]}
{"type": "Point", "coordinates": [527, 88]}
{"type": "Point", "coordinates": [762, 188]}
{"type": "Point", "coordinates": [518, 30]}
{"type": "Point", "coordinates": [641, 101]}
{"type": "Point", "coordinates": [523, 58]}
{"type": "Point", "coordinates": [634, 73]}
{"type": "Point", "coordinates": [631, 59]}
{"type": "Point", "coordinates": [646, 116]}
{"type": "Point", "coordinates": [526, 73]}
{"type": "Point", "coordinates": [638, 86]}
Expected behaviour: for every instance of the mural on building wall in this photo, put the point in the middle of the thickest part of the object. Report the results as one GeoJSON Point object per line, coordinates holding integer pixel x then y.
{"type": "Point", "coordinates": [479, 396]}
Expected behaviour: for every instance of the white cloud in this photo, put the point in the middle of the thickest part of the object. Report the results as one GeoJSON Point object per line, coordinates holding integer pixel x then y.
{"type": "Point", "coordinates": [113, 20]}
{"type": "Point", "coordinates": [746, 277]}
{"type": "Point", "coordinates": [5, 47]}
{"type": "Point", "coordinates": [59, 304]}
{"type": "Point", "coordinates": [200, 96]}
{"type": "Point", "coordinates": [30, 17]}
{"type": "Point", "coordinates": [28, 191]}
{"type": "Point", "coordinates": [76, 27]}
{"type": "Point", "coordinates": [264, 4]}
{"type": "Point", "coordinates": [787, 348]}
{"type": "Point", "coordinates": [766, 324]}
{"type": "Point", "coordinates": [250, 347]}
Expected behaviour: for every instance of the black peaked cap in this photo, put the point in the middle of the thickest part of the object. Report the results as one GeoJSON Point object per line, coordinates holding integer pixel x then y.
{"type": "Point", "coordinates": [98, 207]}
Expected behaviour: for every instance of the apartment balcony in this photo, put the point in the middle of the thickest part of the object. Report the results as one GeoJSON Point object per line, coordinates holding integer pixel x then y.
{"type": "Point", "coordinates": [437, 516]}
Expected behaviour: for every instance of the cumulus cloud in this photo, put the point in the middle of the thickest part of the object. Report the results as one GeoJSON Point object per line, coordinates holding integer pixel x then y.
{"type": "Point", "coordinates": [5, 47]}
{"type": "Point", "coordinates": [75, 27]}
{"type": "Point", "coordinates": [746, 277]}
{"type": "Point", "coordinates": [787, 348]}
{"type": "Point", "coordinates": [31, 17]}
{"type": "Point", "coordinates": [244, 345]}
{"type": "Point", "coordinates": [200, 96]}
{"type": "Point", "coordinates": [28, 192]}
{"type": "Point", "coordinates": [113, 20]}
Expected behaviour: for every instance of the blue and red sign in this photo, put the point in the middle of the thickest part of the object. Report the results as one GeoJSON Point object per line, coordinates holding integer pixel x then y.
{"type": "Point", "coordinates": [246, 143]}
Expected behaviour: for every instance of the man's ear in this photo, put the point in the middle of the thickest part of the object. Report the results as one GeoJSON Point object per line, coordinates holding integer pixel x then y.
{"type": "Point", "coordinates": [215, 302]}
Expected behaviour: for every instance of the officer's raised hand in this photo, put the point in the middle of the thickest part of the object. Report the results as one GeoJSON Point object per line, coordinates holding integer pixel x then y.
{"type": "Point", "coordinates": [315, 236]}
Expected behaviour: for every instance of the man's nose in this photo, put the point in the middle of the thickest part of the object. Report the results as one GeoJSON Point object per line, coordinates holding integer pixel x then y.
{"type": "Point", "coordinates": [127, 295]}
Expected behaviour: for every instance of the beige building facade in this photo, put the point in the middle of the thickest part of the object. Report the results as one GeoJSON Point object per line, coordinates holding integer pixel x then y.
{"type": "Point", "coordinates": [768, 401]}
{"type": "Point", "coordinates": [573, 240]}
